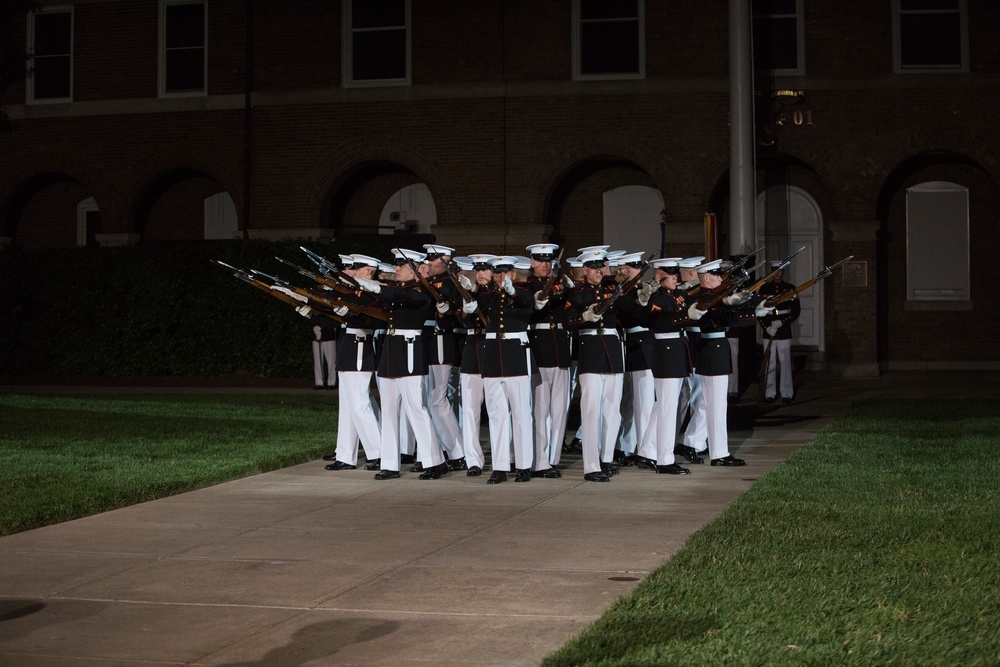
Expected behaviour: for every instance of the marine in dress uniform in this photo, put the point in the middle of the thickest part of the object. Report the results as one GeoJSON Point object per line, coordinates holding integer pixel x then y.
{"type": "Point", "coordinates": [777, 334]}
{"type": "Point", "coordinates": [575, 277]}
{"type": "Point", "coordinates": [694, 439]}
{"type": "Point", "coordinates": [442, 355]}
{"type": "Point", "coordinates": [551, 354]}
{"type": "Point", "coordinates": [505, 359]}
{"type": "Point", "coordinates": [601, 365]}
{"type": "Point", "coordinates": [357, 416]}
{"type": "Point", "coordinates": [402, 367]}
{"type": "Point", "coordinates": [470, 377]}
{"type": "Point", "coordinates": [637, 390]}
{"type": "Point", "coordinates": [712, 359]}
{"type": "Point", "coordinates": [666, 313]}
{"type": "Point", "coordinates": [324, 349]}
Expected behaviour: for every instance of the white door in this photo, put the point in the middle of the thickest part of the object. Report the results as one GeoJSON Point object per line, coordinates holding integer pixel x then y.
{"type": "Point", "coordinates": [805, 228]}
{"type": "Point", "coordinates": [220, 217]}
{"type": "Point", "coordinates": [632, 218]}
{"type": "Point", "coordinates": [410, 208]}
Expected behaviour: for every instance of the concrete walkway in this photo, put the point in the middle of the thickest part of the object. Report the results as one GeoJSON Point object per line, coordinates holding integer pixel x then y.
{"type": "Point", "coordinates": [308, 567]}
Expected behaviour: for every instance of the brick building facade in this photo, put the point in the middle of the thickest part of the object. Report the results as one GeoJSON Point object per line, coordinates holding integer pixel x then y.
{"type": "Point", "coordinates": [288, 119]}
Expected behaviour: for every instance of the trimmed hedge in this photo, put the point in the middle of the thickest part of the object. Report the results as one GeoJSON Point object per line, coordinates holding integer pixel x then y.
{"type": "Point", "coordinates": [153, 310]}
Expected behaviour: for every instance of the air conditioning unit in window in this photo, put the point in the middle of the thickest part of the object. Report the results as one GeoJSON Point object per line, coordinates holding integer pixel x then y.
{"type": "Point", "coordinates": [397, 216]}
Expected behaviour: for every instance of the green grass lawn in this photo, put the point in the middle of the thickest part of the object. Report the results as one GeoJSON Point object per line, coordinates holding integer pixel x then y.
{"type": "Point", "coordinates": [67, 457]}
{"type": "Point", "coordinates": [876, 544]}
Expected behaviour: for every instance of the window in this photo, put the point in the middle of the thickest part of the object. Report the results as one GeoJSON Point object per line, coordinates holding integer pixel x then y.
{"type": "Point", "coordinates": [50, 34]}
{"type": "Point", "coordinates": [183, 40]}
{"type": "Point", "coordinates": [778, 36]}
{"type": "Point", "coordinates": [376, 42]}
{"type": "Point", "coordinates": [609, 39]}
{"type": "Point", "coordinates": [930, 36]}
{"type": "Point", "coordinates": [937, 242]}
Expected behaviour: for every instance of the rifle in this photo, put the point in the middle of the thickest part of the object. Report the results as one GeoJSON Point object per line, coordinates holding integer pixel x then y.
{"type": "Point", "coordinates": [625, 287]}
{"type": "Point", "coordinates": [330, 268]}
{"type": "Point", "coordinates": [553, 275]}
{"type": "Point", "coordinates": [424, 282]}
{"type": "Point", "coordinates": [464, 293]}
{"type": "Point", "coordinates": [738, 264]}
{"type": "Point", "coordinates": [781, 267]}
{"type": "Point", "coordinates": [371, 311]}
{"type": "Point", "coordinates": [339, 287]}
{"type": "Point", "coordinates": [284, 297]}
{"type": "Point", "coordinates": [825, 272]}
{"type": "Point", "coordinates": [716, 294]}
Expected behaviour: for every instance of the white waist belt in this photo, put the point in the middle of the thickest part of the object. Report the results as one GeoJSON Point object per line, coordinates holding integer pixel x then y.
{"type": "Point", "coordinates": [635, 330]}
{"type": "Point", "coordinates": [520, 335]}
{"type": "Point", "coordinates": [668, 334]}
{"type": "Point", "coordinates": [551, 325]}
{"type": "Point", "coordinates": [782, 312]}
{"type": "Point", "coordinates": [410, 335]}
{"type": "Point", "coordinates": [360, 333]}
{"type": "Point", "coordinates": [714, 334]}
{"type": "Point", "coordinates": [598, 332]}
{"type": "Point", "coordinates": [430, 323]}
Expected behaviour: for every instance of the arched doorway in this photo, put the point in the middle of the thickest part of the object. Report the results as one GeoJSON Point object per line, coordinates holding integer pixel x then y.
{"type": "Point", "coordinates": [787, 219]}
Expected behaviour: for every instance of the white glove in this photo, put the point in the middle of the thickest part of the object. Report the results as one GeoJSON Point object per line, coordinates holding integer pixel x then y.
{"type": "Point", "coordinates": [762, 311]}
{"type": "Point", "coordinates": [369, 285]}
{"type": "Point", "coordinates": [646, 291]}
{"type": "Point", "coordinates": [442, 307]}
{"type": "Point", "coordinates": [341, 311]}
{"type": "Point", "coordinates": [688, 285]}
{"type": "Point", "coordinates": [567, 282]}
{"type": "Point", "coordinates": [539, 303]}
{"type": "Point", "coordinates": [736, 298]}
{"type": "Point", "coordinates": [771, 330]}
{"type": "Point", "coordinates": [469, 307]}
{"type": "Point", "coordinates": [294, 295]}
{"type": "Point", "coordinates": [590, 315]}
{"type": "Point", "coordinates": [694, 313]}
{"type": "Point", "coordinates": [304, 311]}
{"type": "Point", "coordinates": [507, 285]}
{"type": "Point", "coordinates": [467, 284]}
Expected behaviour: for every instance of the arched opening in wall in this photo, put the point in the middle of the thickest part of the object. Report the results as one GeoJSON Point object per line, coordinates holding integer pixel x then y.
{"type": "Point", "coordinates": [383, 203]}
{"type": "Point", "coordinates": [88, 222]}
{"type": "Point", "coordinates": [936, 250]}
{"type": "Point", "coordinates": [174, 207]}
{"type": "Point", "coordinates": [608, 200]}
{"type": "Point", "coordinates": [43, 214]}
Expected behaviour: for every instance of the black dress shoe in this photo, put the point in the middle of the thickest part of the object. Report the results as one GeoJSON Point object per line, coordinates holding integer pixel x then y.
{"type": "Point", "coordinates": [769, 399]}
{"type": "Point", "coordinates": [609, 469]}
{"type": "Point", "coordinates": [575, 445]}
{"type": "Point", "coordinates": [458, 464]}
{"type": "Point", "coordinates": [318, 386]}
{"type": "Point", "coordinates": [548, 473]}
{"type": "Point", "coordinates": [497, 477]}
{"type": "Point", "coordinates": [618, 456]}
{"type": "Point", "coordinates": [672, 469]}
{"type": "Point", "coordinates": [416, 467]}
{"type": "Point", "coordinates": [629, 460]}
{"type": "Point", "coordinates": [786, 401]}
{"type": "Point", "coordinates": [332, 386]}
{"type": "Point", "coordinates": [597, 477]}
{"type": "Point", "coordinates": [407, 458]}
{"type": "Point", "coordinates": [339, 465]}
{"type": "Point", "coordinates": [387, 474]}
{"type": "Point", "coordinates": [689, 453]}
{"type": "Point", "coordinates": [523, 476]}
{"type": "Point", "coordinates": [330, 457]}
{"type": "Point", "coordinates": [729, 461]}
{"type": "Point", "coordinates": [374, 464]}
{"type": "Point", "coordinates": [643, 462]}
{"type": "Point", "coordinates": [435, 472]}
{"type": "Point", "coordinates": [474, 471]}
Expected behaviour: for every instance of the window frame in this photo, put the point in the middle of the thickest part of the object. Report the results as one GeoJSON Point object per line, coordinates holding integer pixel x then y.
{"type": "Point", "coordinates": [30, 88]}
{"type": "Point", "coordinates": [897, 57]}
{"type": "Point", "coordinates": [162, 51]}
{"type": "Point", "coordinates": [577, 45]}
{"type": "Point", "coordinates": [347, 51]}
{"type": "Point", "coordinates": [800, 40]}
{"type": "Point", "coordinates": [917, 239]}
